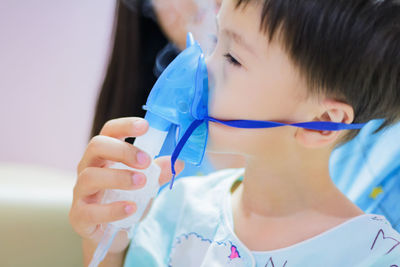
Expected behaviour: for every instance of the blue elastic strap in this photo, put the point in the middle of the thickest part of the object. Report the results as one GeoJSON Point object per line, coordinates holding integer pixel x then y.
{"type": "Point", "coordinates": [312, 125]}
{"type": "Point", "coordinates": [193, 126]}
{"type": "Point", "coordinates": [254, 124]}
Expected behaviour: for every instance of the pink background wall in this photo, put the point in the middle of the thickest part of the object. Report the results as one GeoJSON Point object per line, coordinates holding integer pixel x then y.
{"type": "Point", "coordinates": [52, 59]}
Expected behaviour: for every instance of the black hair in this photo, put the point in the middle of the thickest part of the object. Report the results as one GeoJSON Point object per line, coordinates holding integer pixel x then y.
{"type": "Point", "coordinates": [347, 49]}
{"type": "Point", "coordinates": [137, 38]}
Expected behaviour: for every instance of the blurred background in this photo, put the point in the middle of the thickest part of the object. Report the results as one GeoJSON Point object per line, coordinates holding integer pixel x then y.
{"type": "Point", "coordinates": [53, 57]}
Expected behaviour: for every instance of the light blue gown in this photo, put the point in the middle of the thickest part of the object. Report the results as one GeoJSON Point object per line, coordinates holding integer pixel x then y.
{"type": "Point", "coordinates": [367, 170]}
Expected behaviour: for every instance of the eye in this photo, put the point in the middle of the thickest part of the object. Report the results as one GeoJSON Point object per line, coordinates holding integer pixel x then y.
{"type": "Point", "coordinates": [232, 60]}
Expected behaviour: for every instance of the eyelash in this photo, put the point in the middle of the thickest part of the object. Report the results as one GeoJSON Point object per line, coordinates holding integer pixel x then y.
{"type": "Point", "coordinates": [232, 60]}
{"type": "Point", "coordinates": [228, 57]}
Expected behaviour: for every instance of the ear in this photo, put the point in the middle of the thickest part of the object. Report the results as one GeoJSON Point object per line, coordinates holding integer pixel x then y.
{"type": "Point", "coordinates": [329, 110]}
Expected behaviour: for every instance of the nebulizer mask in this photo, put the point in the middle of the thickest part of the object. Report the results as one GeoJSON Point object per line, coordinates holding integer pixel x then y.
{"type": "Point", "coordinates": [178, 102]}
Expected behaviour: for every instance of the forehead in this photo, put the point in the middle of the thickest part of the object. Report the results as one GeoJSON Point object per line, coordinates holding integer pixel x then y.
{"type": "Point", "coordinates": [243, 15]}
{"type": "Point", "coordinates": [243, 21]}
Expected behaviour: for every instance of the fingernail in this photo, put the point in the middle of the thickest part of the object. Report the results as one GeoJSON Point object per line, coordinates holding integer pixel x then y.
{"type": "Point", "coordinates": [128, 209]}
{"type": "Point", "coordinates": [142, 158]}
{"type": "Point", "coordinates": [139, 124]}
{"type": "Point", "coordinates": [137, 179]}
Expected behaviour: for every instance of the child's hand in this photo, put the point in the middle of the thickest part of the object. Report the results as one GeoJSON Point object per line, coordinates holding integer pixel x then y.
{"type": "Point", "coordinates": [87, 215]}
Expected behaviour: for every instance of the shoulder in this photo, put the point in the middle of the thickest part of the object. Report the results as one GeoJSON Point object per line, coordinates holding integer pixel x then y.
{"type": "Point", "coordinates": [384, 241]}
{"type": "Point", "coordinates": [365, 240]}
{"type": "Point", "coordinates": [184, 209]}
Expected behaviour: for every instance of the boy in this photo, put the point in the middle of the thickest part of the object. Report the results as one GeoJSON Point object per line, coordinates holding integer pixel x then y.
{"type": "Point", "coordinates": [287, 61]}
{"type": "Point", "coordinates": [309, 61]}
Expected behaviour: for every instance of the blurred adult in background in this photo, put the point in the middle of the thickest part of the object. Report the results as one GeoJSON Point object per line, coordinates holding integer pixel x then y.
{"type": "Point", "coordinates": [142, 30]}
{"type": "Point", "coordinates": [147, 37]}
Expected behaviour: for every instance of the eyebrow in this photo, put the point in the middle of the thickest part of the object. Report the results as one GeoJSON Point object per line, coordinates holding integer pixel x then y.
{"type": "Point", "coordinates": [237, 38]}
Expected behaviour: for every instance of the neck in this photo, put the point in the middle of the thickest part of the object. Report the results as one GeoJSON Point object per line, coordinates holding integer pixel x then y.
{"type": "Point", "coordinates": [281, 187]}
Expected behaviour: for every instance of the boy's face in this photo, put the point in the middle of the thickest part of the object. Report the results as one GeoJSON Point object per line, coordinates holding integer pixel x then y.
{"type": "Point", "coordinates": [251, 78]}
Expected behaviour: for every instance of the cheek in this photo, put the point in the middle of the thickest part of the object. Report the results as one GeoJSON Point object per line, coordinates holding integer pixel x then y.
{"type": "Point", "coordinates": [238, 96]}
{"type": "Point", "coordinates": [227, 95]}
{"type": "Point", "coordinates": [222, 105]}
{"type": "Point", "coordinates": [246, 142]}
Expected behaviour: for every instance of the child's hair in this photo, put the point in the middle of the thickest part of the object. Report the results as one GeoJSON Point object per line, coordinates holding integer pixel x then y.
{"type": "Point", "coordinates": [346, 49]}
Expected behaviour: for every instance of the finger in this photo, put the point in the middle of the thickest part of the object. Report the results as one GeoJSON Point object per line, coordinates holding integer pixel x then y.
{"type": "Point", "coordinates": [103, 149]}
{"type": "Point", "coordinates": [92, 179]}
{"type": "Point", "coordinates": [93, 214]}
{"type": "Point", "coordinates": [165, 164]}
{"type": "Point", "coordinates": [125, 127]}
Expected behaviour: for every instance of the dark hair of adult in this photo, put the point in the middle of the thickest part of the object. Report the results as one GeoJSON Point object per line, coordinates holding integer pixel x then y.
{"type": "Point", "coordinates": [346, 49]}
{"type": "Point", "coordinates": [129, 76]}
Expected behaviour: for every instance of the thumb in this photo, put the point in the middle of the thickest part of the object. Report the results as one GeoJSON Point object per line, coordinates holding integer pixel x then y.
{"type": "Point", "coordinates": [166, 172]}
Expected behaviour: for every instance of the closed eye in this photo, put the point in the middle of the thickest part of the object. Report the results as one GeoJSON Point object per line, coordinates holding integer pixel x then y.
{"type": "Point", "coordinates": [232, 60]}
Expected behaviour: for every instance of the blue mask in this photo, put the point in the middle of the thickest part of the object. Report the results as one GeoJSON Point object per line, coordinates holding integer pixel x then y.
{"type": "Point", "coordinates": [180, 98]}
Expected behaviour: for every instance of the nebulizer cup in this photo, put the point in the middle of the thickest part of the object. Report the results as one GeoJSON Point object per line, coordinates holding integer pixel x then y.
{"type": "Point", "coordinates": [179, 97]}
